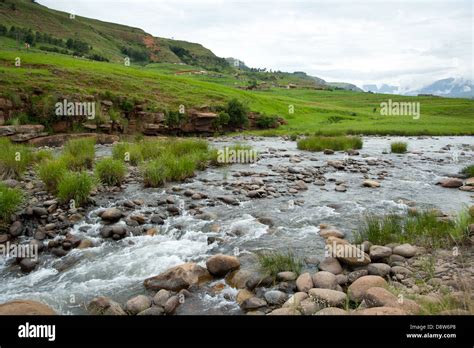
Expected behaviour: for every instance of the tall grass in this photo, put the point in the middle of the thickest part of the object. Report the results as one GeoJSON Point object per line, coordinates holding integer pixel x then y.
{"type": "Point", "coordinates": [79, 154]}
{"type": "Point", "coordinates": [423, 228]}
{"type": "Point", "coordinates": [168, 168]}
{"type": "Point", "coordinates": [75, 186]}
{"type": "Point", "coordinates": [51, 172]}
{"type": "Point", "coordinates": [273, 262]}
{"type": "Point", "coordinates": [468, 171]}
{"type": "Point", "coordinates": [110, 172]}
{"type": "Point", "coordinates": [398, 147]}
{"type": "Point", "coordinates": [10, 199]}
{"type": "Point", "coordinates": [336, 143]}
{"type": "Point", "coordinates": [128, 152]}
{"type": "Point", "coordinates": [14, 159]}
{"type": "Point", "coordinates": [246, 154]}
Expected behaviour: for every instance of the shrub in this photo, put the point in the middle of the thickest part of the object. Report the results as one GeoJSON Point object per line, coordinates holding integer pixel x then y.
{"type": "Point", "coordinates": [398, 147]}
{"type": "Point", "coordinates": [110, 172]}
{"type": "Point", "coordinates": [237, 113]}
{"type": "Point", "coordinates": [10, 199]}
{"type": "Point", "coordinates": [336, 143]}
{"type": "Point", "coordinates": [224, 118]}
{"type": "Point", "coordinates": [468, 171]}
{"type": "Point", "coordinates": [75, 186]}
{"type": "Point", "coordinates": [79, 154]}
{"type": "Point", "coordinates": [14, 159]}
{"type": "Point", "coordinates": [265, 121]}
{"type": "Point", "coordinates": [51, 172]}
{"type": "Point", "coordinates": [274, 262]}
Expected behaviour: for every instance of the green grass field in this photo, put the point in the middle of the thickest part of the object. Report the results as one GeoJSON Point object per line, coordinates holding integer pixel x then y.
{"type": "Point", "coordinates": [157, 85]}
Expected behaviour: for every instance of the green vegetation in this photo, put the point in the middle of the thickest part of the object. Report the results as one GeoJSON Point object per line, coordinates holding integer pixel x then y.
{"type": "Point", "coordinates": [128, 152]}
{"type": "Point", "coordinates": [237, 153]}
{"type": "Point", "coordinates": [274, 262]}
{"type": "Point", "coordinates": [79, 154]}
{"type": "Point", "coordinates": [110, 172]}
{"type": "Point", "coordinates": [237, 113]}
{"type": "Point", "coordinates": [42, 155]}
{"type": "Point", "coordinates": [337, 143]}
{"type": "Point", "coordinates": [75, 186]}
{"type": "Point", "coordinates": [10, 199]}
{"type": "Point", "coordinates": [468, 171]}
{"type": "Point", "coordinates": [14, 159]}
{"type": "Point", "coordinates": [51, 173]}
{"type": "Point", "coordinates": [422, 228]}
{"type": "Point", "coordinates": [398, 147]}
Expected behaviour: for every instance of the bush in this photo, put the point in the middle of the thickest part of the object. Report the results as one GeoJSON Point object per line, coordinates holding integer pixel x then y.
{"type": "Point", "coordinates": [237, 113]}
{"type": "Point", "coordinates": [265, 121]}
{"type": "Point", "coordinates": [10, 199]}
{"type": "Point", "coordinates": [110, 172]}
{"type": "Point", "coordinates": [14, 159]}
{"type": "Point", "coordinates": [398, 147]}
{"type": "Point", "coordinates": [51, 172]}
{"type": "Point", "coordinates": [79, 154]}
{"type": "Point", "coordinates": [336, 143]}
{"type": "Point", "coordinates": [75, 186]}
{"type": "Point", "coordinates": [273, 262]}
{"type": "Point", "coordinates": [468, 171]}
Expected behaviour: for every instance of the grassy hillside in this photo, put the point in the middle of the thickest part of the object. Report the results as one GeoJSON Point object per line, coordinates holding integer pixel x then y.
{"type": "Point", "coordinates": [106, 39]}
{"type": "Point", "coordinates": [159, 87]}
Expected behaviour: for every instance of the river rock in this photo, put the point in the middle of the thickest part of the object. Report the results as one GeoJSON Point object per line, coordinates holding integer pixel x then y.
{"type": "Point", "coordinates": [405, 250]}
{"type": "Point", "coordinates": [286, 276]}
{"type": "Point", "coordinates": [243, 295]}
{"type": "Point", "coordinates": [381, 297]}
{"type": "Point", "coordinates": [25, 307]}
{"type": "Point", "coordinates": [451, 182]}
{"type": "Point", "coordinates": [171, 304]}
{"type": "Point", "coordinates": [296, 299]}
{"type": "Point", "coordinates": [111, 215]}
{"type": "Point", "coordinates": [346, 252]}
{"type": "Point", "coordinates": [324, 280]}
{"type": "Point", "coordinates": [331, 311]}
{"type": "Point", "coordinates": [137, 304]}
{"type": "Point", "coordinates": [275, 297]}
{"type": "Point", "coordinates": [16, 229]}
{"type": "Point", "coordinates": [378, 252]}
{"type": "Point", "coordinates": [325, 233]}
{"type": "Point", "coordinates": [229, 200]}
{"type": "Point", "coordinates": [161, 297]}
{"type": "Point", "coordinates": [219, 265]}
{"type": "Point", "coordinates": [353, 276]}
{"type": "Point", "coordinates": [380, 269]}
{"type": "Point", "coordinates": [85, 244]}
{"type": "Point", "coordinates": [328, 297]}
{"type": "Point", "coordinates": [330, 264]}
{"type": "Point", "coordinates": [104, 306]}
{"type": "Point", "coordinates": [380, 311]}
{"type": "Point", "coordinates": [400, 270]}
{"type": "Point", "coordinates": [179, 277]}
{"type": "Point", "coordinates": [253, 303]}
{"type": "Point", "coordinates": [358, 289]}
{"type": "Point", "coordinates": [371, 183]}
{"type": "Point", "coordinates": [285, 311]}
{"type": "Point", "coordinates": [304, 282]}
{"type": "Point", "coordinates": [155, 310]}
{"type": "Point", "coordinates": [308, 307]}
{"type": "Point", "coordinates": [27, 265]}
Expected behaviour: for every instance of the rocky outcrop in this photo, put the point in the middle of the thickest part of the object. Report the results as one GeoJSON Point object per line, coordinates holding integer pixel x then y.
{"type": "Point", "coordinates": [22, 133]}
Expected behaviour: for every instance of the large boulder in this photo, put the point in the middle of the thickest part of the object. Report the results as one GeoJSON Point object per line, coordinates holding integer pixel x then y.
{"type": "Point", "coordinates": [219, 265]}
{"type": "Point", "coordinates": [358, 289]}
{"type": "Point", "coordinates": [324, 280]}
{"type": "Point", "coordinates": [111, 215]}
{"type": "Point", "coordinates": [347, 253]}
{"type": "Point", "coordinates": [380, 269]}
{"type": "Point", "coordinates": [304, 282]}
{"type": "Point", "coordinates": [179, 277]}
{"type": "Point", "coordinates": [451, 182]}
{"type": "Point", "coordinates": [330, 264]}
{"type": "Point", "coordinates": [381, 297]}
{"type": "Point", "coordinates": [328, 297]}
{"type": "Point", "coordinates": [104, 306]}
{"type": "Point", "coordinates": [137, 304]}
{"type": "Point", "coordinates": [405, 250]}
{"type": "Point", "coordinates": [378, 252]}
{"type": "Point", "coordinates": [25, 307]}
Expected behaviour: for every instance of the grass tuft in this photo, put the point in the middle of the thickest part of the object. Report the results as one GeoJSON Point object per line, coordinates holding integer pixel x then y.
{"type": "Point", "coordinates": [14, 159]}
{"type": "Point", "coordinates": [398, 147]}
{"type": "Point", "coordinates": [336, 143]}
{"type": "Point", "coordinates": [75, 186]}
{"type": "Point", "coordinates": [110, 172]}
{"type": "Point", "coordinates": [51, 172]}
{"type": "Point", "coordinates": [274, 262]}
{"type": "Point", "coordinates": [10, 200]}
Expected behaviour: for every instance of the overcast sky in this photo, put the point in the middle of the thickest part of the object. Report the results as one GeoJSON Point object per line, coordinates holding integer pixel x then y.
{"type": "Point", "coordinates": [407, 43]}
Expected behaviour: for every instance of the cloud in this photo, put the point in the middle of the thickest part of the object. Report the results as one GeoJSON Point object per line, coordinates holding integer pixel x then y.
{"type": "Point", "coordinates": [353, 41]}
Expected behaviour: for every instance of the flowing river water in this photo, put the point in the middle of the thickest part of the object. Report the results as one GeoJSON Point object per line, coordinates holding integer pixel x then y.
{"type": "Point", "coordinates": [117, 268]}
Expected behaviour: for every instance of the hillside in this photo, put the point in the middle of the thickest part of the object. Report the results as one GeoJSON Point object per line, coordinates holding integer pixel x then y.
{"type": "Point", "coordinates": [108, 40]}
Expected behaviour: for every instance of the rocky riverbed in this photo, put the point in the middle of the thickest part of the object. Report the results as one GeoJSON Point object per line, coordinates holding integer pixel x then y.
{"type": "Point", "coordinates": [97, 259]}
